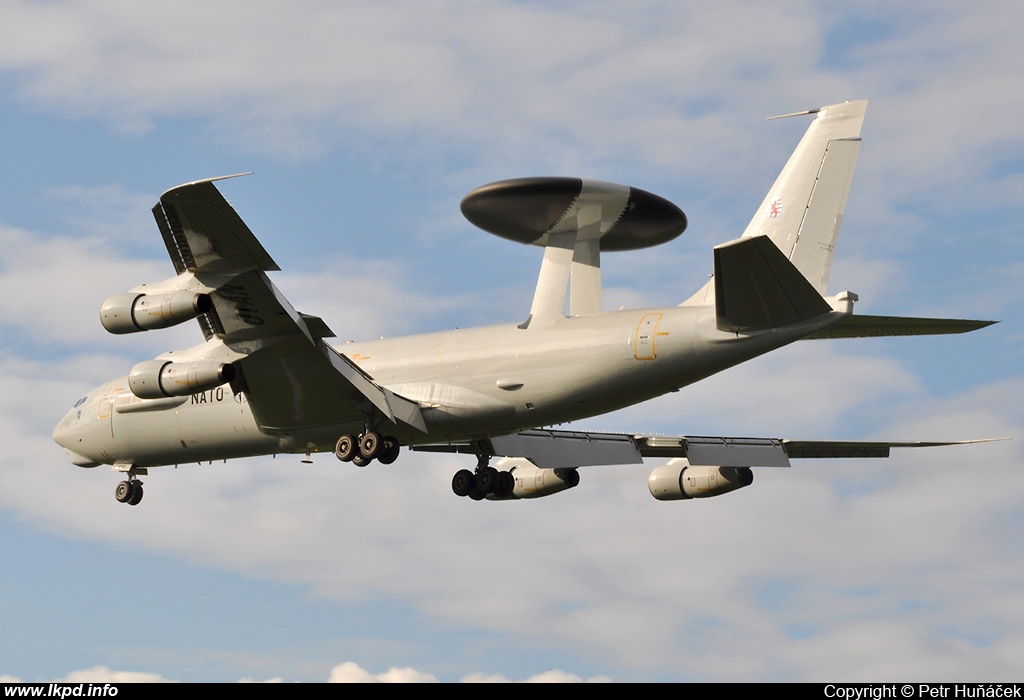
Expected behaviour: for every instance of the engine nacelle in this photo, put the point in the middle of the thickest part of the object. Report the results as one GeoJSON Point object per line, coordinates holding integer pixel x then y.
{"type": "Point", "coordinates": [130, 313]}
{"type": "Point", "coordinates": [159, 379]}
{"type": "Point", "coordinates": [677, 480]}
{"type": "Point", "coordinates": [534, 482]}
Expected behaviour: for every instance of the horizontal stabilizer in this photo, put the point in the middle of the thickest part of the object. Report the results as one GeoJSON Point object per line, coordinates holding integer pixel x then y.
{"type": "Point", "coordinates": [858, 326]}
{"type": "Point", "coordinates": [756, 287]}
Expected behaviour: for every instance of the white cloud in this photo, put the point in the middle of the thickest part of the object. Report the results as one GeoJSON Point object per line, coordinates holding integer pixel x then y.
{"type": "Point", "coordinates": [838, 570]}
{"type": "Point", "coordinates": [372, 301]}
{"type": "Point", "coordinates": [102, 674]}
{"type": "Point", "coordinates": [802, 555]}
{"type": "Point", "coordinates": [350, 672]}
{"type": "Point", "coordinates": [551, 676]}
{"type": "Point", "coordinates": [567, 85]}
{"type": "Point", "coordinates": [52, 288]}
{"type": "Point", "coordinates": [51, 291]}
{"type": "Point", "coordinates": [108, 213]}
{"type": "Point", "coordinates": [347, 672]}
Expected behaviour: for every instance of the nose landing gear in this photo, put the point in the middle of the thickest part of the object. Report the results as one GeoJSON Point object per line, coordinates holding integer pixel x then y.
{"type": "Point", "coordinates": [129, 492]}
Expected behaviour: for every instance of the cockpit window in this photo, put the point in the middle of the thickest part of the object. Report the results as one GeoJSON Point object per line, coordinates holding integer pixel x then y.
{"type": "Point", "coordinates": [80, 401]}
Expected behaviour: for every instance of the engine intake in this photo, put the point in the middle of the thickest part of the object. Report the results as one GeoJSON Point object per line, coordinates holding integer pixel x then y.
{"type": "Point", "coordinates": [158, 379]}
{"type": "Point", "coordinates": [131, 313]}
{"type": "Point", "coordinates": [677, 480]}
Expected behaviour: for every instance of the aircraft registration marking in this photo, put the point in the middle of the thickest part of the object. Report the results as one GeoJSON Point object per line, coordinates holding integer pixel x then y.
{"type": "Point", "coordinates": [209, 396]}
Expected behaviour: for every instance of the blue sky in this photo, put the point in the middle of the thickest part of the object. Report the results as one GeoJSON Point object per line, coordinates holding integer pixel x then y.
{"type": "Point", "coordinates": [365, 124]}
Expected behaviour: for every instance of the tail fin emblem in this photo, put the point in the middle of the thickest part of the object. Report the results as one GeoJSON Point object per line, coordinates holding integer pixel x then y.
{"type": "Point", "coordinates": [775, 208]}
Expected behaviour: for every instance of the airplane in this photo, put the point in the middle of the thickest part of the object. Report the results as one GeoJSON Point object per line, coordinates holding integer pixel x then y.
{"type": "Point", "coordinates": [266, 381]}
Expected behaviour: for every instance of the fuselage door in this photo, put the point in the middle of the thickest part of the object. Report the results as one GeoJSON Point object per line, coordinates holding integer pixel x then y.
{"type": "Point", "coordinates": [105, 405]}
{"type": "Point", "coordinates": [643, 339]}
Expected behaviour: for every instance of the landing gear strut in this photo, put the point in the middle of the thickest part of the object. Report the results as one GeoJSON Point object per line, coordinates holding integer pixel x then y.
{"type": "Point", "coordinates": [366, 448]}
{"type": "Point", "coordinates": [129, 492]}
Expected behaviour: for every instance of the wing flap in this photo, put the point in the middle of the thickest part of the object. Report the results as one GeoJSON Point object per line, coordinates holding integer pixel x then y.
{"type": "Point", "coordinates": [735, 452]}
{"type": "Point", "coordinates": [552, 449]}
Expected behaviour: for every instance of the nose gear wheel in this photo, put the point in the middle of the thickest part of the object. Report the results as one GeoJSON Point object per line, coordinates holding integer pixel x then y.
{"type": "Point", "coordinates": [129, 492]}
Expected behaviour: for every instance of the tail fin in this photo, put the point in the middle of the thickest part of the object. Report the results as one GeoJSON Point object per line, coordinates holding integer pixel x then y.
{"type": "Point", "coordinates": [804, 208]}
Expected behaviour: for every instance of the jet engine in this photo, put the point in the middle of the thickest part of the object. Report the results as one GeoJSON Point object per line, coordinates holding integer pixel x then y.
{"type": "Point", "coordinates": [534, 482]}
{"type": "Point", "coordinates": [158, 379]}
{"type": "Point", "coordinates": [130, 313]}
{"type": "Point", "coordinates": [677, 480]}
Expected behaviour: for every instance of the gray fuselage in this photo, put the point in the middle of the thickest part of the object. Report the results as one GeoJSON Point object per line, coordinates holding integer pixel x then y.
{"type": "Point", "coordinates": [471, 384]}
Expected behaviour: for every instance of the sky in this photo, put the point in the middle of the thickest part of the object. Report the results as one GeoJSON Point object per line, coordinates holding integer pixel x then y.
{"type": "Point", "coordinates": [364, 125]}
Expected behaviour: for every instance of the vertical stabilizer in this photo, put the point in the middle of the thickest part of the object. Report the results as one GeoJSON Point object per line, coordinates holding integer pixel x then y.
{"type": "Point", "coordinates": [803, 210]}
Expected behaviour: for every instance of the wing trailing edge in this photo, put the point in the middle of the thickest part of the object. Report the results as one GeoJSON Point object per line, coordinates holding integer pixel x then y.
{"type": "Point", "coordinates": [554, 449]}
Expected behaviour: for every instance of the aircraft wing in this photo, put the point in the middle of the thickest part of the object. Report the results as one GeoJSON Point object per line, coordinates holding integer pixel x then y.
{"type": "Point", "coordinates": [282, 352]}
{"type": "Point", "coordinates": [553, 449]}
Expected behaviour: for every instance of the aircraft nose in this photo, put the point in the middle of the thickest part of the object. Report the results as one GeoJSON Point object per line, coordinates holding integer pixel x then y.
{"type": "Point", "coordinates": [65, 435]}
{"type": "Point", "coordinates": [62, 433]}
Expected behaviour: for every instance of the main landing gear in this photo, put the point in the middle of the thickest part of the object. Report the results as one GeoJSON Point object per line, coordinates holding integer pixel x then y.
{"type": "Point", "coordinates": [129, 492]}
{"type": "Point", "coordinates": [366, 448]}
{"type": "Point", "coordinates": [487, 481]}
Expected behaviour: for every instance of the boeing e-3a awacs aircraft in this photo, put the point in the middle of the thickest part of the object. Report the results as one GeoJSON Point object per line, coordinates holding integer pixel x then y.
{"type": "Point", "coordinates": [266, 381]}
